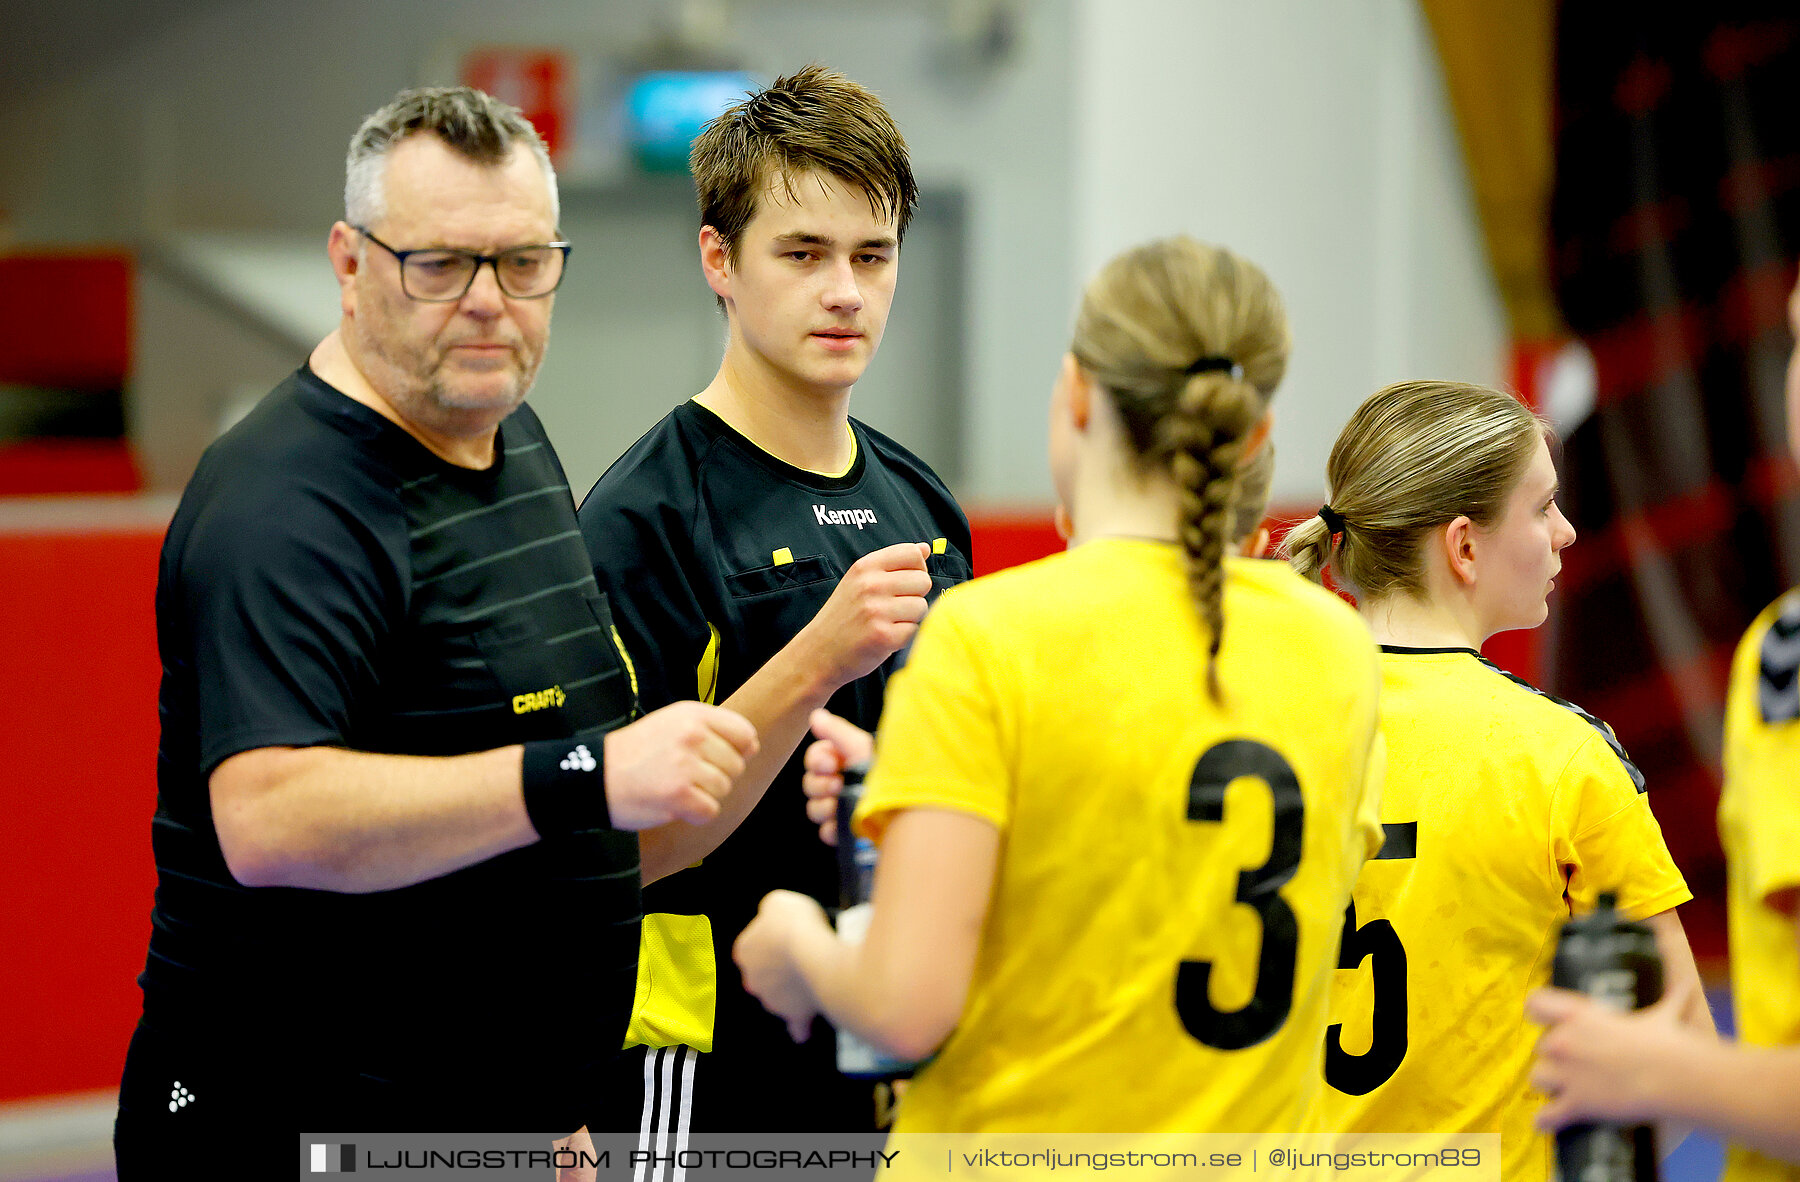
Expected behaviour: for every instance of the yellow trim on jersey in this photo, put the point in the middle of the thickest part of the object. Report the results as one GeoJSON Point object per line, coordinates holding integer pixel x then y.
{"type": "Point", "coordinates": [852, 461]}
{"type": "Point", "coordinates": [677, 989]}
{"type": "Point", "coordinates": [939, 545]}
{"type": "Point", "coordinates": [783, 556]}
{"type": "Point", "coordinates": [630, 669]}
{"type": "Point", "coordinates": [708, 673]}
{"type": "Point", "coordinates": [848, 430]}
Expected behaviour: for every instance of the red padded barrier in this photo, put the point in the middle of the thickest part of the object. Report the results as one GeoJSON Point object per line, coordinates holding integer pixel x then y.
{"type": "Point", "coordinates": [1004, 538]}
{"type": "Point", "coordinates": [36, 467]}
{"type": "Point", "coordinates": [65, 320]}
{"type": "Point", "coordinates": [78, 758]}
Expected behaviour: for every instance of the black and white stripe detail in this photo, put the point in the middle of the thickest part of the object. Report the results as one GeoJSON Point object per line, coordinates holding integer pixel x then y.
{"type": "Point", "coordinates": [1606, 732]}
{"type": "Point", "coordinates": [668, 1113]}
{"type": "Point", "coordinates": [1778, 673]}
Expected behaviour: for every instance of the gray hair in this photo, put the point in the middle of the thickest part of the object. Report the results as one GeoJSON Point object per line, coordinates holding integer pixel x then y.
{"type": "Point", "coordinates": [477, 125]}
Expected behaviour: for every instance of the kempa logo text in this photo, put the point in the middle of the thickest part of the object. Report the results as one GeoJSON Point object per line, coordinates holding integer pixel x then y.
{"type": "Point", "coordinates": [856, 517]}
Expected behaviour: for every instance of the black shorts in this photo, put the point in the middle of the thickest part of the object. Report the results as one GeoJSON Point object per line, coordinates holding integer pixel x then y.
{"type": "Point", "coordinates": [218, 1106]}
{"type": "Point", "coordinates": [188, 1109]}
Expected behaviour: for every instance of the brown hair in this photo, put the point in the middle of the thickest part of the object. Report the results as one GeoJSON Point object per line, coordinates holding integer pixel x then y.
{"type": "Point", "coordinates": [472, 122]}
{"type": "Point", "coordinates": [814, 119]}
{"type": "Point", "coordinates": [1189, 341]}
{"type": "Point", "coordinates": [1415, 456]}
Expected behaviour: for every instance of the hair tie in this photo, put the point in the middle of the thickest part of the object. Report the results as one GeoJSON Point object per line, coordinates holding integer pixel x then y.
{"type": "Point", "coordinates": [1224, 364]}
{"type": "Point", "coordinates": [1333, 521]}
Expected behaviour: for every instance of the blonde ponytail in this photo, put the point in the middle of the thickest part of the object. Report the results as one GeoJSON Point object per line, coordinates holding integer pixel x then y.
{"type": "Point", "coordinates": [1307, 547]}
{"type": "Point", "coordinates": [1414, 456]}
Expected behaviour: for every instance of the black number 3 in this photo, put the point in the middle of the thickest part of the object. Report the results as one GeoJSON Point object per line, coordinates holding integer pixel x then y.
{"type": "Point", "coordinates": [1257, 889]}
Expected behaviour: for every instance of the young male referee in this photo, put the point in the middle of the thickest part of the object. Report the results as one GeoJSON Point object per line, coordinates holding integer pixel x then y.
{"type": "Point", "coordinates": [764, 550]}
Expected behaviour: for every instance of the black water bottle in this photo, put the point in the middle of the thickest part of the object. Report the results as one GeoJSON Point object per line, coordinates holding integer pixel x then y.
{"type": "Point", "coordinates": [1613, 960]}
{"type": "Point", "coordinates": [855, 855]}
{"type": "Point", "coordinates": [856, 1056]}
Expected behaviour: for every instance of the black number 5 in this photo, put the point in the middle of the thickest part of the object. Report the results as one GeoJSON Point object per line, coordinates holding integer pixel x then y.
{"type": "Point", "coordinates": [1257, 889]}
{"type": "Point", "coordinates": [1378, 943]}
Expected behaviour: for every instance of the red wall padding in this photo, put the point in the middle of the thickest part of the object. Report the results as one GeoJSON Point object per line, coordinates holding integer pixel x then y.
{"type": "Point", "coordinates": [78, 760]}
{"type": "Point", "coordinates": [59, 467]}
{"type": "Point", "coordinates": [1003, 539]}
{"type": "Point", "coordinates": [65, 320]}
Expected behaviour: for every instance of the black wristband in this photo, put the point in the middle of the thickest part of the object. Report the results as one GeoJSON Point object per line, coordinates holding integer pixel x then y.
{"type": "Point", "coordinates": [565, 786]}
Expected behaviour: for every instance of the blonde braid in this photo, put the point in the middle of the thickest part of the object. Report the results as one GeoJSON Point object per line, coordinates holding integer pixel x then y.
{"type": "Point", "coordinates": [1188, 341]}
{"type": "Point", "coordinates": [1205, 438]}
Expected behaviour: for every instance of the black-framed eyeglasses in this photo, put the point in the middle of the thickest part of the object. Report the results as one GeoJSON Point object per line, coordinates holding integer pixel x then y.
{"type": "Point", "coordinates": [442, 274]}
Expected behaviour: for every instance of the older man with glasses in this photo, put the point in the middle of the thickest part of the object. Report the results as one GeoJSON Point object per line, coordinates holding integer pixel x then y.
{"type": "Point", "coordinates": [398, 783]}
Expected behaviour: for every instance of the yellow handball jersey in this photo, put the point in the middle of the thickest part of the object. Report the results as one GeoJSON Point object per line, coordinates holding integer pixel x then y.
{"type": "Point", "coordinates": [1759, 827]}
{"type": "Point", "coordinates": [1505, 810]}
{"type": "Point", "coordinates": [1172, 873]}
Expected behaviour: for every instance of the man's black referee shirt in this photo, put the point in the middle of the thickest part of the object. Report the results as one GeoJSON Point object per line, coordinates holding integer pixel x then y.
{"type": "Point", "coordinates": [328, 581]}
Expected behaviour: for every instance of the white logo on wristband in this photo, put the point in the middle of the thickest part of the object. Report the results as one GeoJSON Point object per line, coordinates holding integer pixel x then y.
{"type": "Point", "coordinates": [580, 759]}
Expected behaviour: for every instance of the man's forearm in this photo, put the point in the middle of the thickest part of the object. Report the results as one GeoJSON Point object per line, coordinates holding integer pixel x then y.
{"type": "Point", "coordinates": [778, 699]}
{"type": "Point", "coordinates": [353, 821]}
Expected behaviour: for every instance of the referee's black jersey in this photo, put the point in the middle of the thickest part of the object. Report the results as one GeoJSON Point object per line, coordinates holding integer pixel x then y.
{"type": "Point", "coordinates": [714, 554]}
{"type": "Point", "coordinates": [328, 581]}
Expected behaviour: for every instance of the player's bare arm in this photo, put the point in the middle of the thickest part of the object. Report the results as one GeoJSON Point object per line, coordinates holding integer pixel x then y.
{"type": "Point", "coordinates": [904, 986]}
{"type": "Point", "coordinates": [1680, 973]}
{"type": "Point", "coordinates": [1597, 1064]}
{"type": "Point", "coordinates": [1653, 1064]}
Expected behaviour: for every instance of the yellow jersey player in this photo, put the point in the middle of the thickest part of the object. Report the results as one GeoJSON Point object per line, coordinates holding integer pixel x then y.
{"type": "Point", "coordinates": [1598, 1065]}
{"type": "Point", "coordinates": [1505, 810]}
{"type": "Point", "coordinates": [1108, 854]}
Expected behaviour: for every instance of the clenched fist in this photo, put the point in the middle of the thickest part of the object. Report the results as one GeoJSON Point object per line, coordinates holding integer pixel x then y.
{"type": "Point", "coordinates": [874, 610]}
{"type": "Point", "coordinates": [675, 764]}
